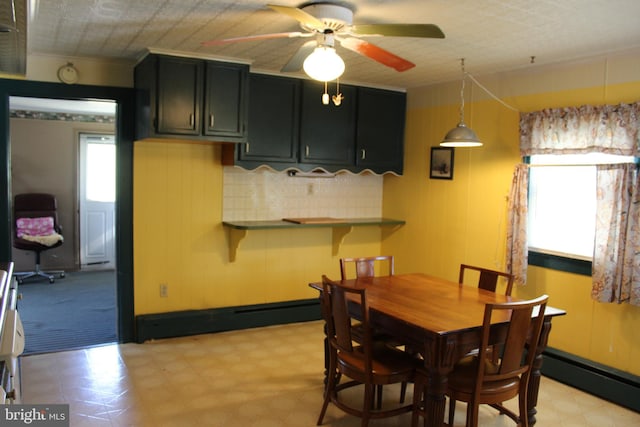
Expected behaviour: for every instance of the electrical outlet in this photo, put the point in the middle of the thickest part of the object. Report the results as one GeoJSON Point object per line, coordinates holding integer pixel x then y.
{"type": "Point", "coordinates": [164, 290]}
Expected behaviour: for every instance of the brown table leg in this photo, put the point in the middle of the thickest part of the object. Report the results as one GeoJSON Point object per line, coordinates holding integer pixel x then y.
{"type": "Point", "coordinates": [435, 399]}
{"type": "Point", "coordinates": [534, 380]}
{"type": "Point", "coordinates": [439, 358]}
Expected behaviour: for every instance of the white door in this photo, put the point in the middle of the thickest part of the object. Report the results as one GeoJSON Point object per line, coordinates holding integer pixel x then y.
{"type": "Point", "coordinates": [97, 201]}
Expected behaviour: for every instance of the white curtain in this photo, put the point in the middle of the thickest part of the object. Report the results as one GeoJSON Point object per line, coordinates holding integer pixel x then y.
{"type": "Point", "coordinates": [517, 225]}
{"type": "Point", "coordinates": [612, 129]}
{"type": "Point", "coordinates": [616, 263]}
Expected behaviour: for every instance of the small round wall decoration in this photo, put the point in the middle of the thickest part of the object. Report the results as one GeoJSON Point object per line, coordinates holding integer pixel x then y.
{"type": "Point", "coordinates": [68, 73]}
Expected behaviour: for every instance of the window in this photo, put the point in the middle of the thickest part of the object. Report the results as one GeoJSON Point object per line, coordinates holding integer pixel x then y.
{"type": "Point", "coordinates": [562, 206]}
{"type": "Point", "coordinates": [100, 185]}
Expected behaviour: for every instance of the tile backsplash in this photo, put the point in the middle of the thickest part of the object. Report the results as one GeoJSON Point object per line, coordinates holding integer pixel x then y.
{"type": "Point", "coordinates": [263, 194]}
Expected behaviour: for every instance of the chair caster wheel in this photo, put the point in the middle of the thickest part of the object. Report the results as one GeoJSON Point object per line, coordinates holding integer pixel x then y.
{"type": "Point", "coordinates": [62, 275]}
{"type": "Point", "coordinates": [51, 280]}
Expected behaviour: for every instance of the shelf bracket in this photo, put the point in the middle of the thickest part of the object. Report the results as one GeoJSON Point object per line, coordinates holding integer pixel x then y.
{"type": "Point", "coordinates": [234, 237]}
{"type": "Point", "coordinates": [339, 234]}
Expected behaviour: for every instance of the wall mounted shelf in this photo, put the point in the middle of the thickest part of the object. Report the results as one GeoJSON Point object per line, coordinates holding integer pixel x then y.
{"type": "Point", "coordinates": [237, 230]}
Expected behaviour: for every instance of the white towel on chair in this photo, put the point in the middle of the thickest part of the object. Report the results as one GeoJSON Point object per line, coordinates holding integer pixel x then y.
{"type": "Point", "coordinates": [48, 240]}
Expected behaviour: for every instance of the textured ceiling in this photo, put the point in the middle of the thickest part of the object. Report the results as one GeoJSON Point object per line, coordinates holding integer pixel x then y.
{"type": "Point", "coordinates": [492, 35]}
{"type": "Point", "coordinates": [13, 36]}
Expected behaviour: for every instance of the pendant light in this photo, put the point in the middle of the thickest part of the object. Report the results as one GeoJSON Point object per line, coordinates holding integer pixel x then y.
{"type": "Point", "coordinates": [461, 135]}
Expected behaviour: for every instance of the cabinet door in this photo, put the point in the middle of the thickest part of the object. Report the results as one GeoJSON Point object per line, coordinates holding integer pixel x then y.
{"type": "Point", "coordinates": [380, 134]}
{"type": "Point", "coordinates": [327, 132]}
{"type": "Point", "coordinates": [273, 120]}
{"type": "Point", "coordinates": [225, 112]}
{"type": "Point", "coordinates": [179, 96]}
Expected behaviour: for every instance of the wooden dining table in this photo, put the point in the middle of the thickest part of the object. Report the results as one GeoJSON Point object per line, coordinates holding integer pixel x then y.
{"type": "Point", "coordinates": [444, 320]}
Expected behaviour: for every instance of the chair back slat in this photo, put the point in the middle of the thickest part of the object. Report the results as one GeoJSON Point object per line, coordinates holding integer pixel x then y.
{"type": "Point", "coordinates": [366, 266]}
{"type": "Point", "coordinates": [487, 278]}
{"type": "Point", "coordinates": [488, 281]}
{"type": "Point", "coordinates": [516, 340]}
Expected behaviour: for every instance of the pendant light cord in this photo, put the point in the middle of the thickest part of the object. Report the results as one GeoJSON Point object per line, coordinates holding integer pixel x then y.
{"type": "Point", "coordinates": [488, 92]}
{"type": "Point", "coordinates": [462, 96]}
{"type": "Point", "coordinates": [473, 79]}
{"type": "Point", "coordinates": [464, 75]}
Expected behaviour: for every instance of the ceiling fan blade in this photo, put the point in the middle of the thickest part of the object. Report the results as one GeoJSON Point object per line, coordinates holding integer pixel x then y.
{"type": "Point", "coordinates": [296, 61]}
{"type": "Point", "coordinates": [376, 53]}
{"type": "Point", "coordinates": [399, 30]}
{"type": "Point", "coordinates": [254, 38]}
{"type": "Point", "coordinates": [300, 16]}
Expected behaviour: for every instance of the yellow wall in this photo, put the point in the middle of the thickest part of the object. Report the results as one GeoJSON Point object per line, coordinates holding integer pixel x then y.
{"type": "Point", "coordinates": [463, 220]}
{"type": "Point", "coordinates": [179, 239]}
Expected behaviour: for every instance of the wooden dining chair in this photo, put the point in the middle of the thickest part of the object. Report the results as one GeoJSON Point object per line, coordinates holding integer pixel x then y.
{"type": "Point", "coordinates": [487, 279]}
{"type": "Point", "coordinates": [366, 364]}
{"type": "Point", "coordinates": [367, 267]}
{"type": "Point", "coordinates": [479, 380]}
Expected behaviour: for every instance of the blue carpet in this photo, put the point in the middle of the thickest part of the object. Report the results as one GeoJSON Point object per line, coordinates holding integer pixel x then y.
{"type": "Point", "coordinates": [76, 311]}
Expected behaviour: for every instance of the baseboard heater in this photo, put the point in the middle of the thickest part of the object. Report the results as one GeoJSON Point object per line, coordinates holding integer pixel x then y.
{"type": "Point", "coordinates": [192, 322]}
{"type": "Point", "coordinates": [600, 380]}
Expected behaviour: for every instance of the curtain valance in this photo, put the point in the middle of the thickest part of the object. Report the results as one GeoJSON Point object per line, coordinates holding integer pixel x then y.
{"type": "Point", "coordinates": [611, 129]}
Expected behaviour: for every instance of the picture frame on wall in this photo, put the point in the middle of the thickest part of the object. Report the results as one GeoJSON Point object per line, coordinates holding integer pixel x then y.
{"type": "Point", "coordinates": [441, 163]}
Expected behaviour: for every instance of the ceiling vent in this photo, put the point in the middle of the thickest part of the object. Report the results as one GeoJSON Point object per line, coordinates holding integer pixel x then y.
{"type": "Point", "coordinates": [13, 37]}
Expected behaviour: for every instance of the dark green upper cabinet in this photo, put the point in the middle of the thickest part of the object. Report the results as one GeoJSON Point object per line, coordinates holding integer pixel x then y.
{"type": "Point", "coordinates": [327, 132]}
{"type": "Point", "coordinates": [191, 98]}
{"type": "Point", "coordinates": [290, 127]}
{"type": "Point", "coordinates": [225, 109]}
{"type": "Point", "coordinates": [380, 131]}
{"type": "Point", "coordinates": [179, 96]}
{"type": "Point", "coordinates": [274, 110]}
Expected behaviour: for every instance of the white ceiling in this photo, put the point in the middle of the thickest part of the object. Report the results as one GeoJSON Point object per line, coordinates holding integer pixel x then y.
{"type": "Point", "coordinates": [492, 35]}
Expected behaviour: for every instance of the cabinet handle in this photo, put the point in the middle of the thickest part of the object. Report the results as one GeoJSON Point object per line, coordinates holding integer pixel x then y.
{"type": "Point", "coordinates": [306, 151]}
{"type": "Point", "coordinates": [211, 120]}
{"type": "Point", "coordinates": [191, 120]}
{"type": "Point", "coordinates": [363, 154]}
{"type": "Point", "coordinates": [246, 147]}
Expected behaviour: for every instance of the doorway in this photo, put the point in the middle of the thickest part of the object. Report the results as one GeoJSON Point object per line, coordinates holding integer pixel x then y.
{"type": "Point", "coordinates": [52, 140]}
{"type": "Point", "coordinates": [68, 148]}
{"type": "Point", "coordinates": [97, 183]}
{"type": "Point", "coordinates": [124, 98]}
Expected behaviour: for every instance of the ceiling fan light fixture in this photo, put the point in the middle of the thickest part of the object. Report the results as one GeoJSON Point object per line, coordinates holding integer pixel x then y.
{"type": "Point", "coordinates": [323, 64]}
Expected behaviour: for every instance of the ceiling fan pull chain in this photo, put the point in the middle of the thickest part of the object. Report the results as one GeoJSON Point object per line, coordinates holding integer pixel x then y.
{"type": "Point", "coordinates": [325, 95]}
{"type": "Point", "coordinates": [338, 97]}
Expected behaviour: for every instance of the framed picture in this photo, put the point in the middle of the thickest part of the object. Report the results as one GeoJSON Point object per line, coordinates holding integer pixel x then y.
{"type": "Point", "coordinates": [441, 163]}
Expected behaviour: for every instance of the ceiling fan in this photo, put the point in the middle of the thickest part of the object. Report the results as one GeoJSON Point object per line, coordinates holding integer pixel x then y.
{"type": "Point", "coordinates": [328, 22]}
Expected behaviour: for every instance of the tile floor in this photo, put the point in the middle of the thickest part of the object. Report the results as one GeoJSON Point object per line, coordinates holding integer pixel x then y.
{"type": "Point", "coordinates": [264, 377]}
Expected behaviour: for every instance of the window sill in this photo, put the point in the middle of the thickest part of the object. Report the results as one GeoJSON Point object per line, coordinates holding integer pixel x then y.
{"type": "Point", "coordinates": [555, 262]}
